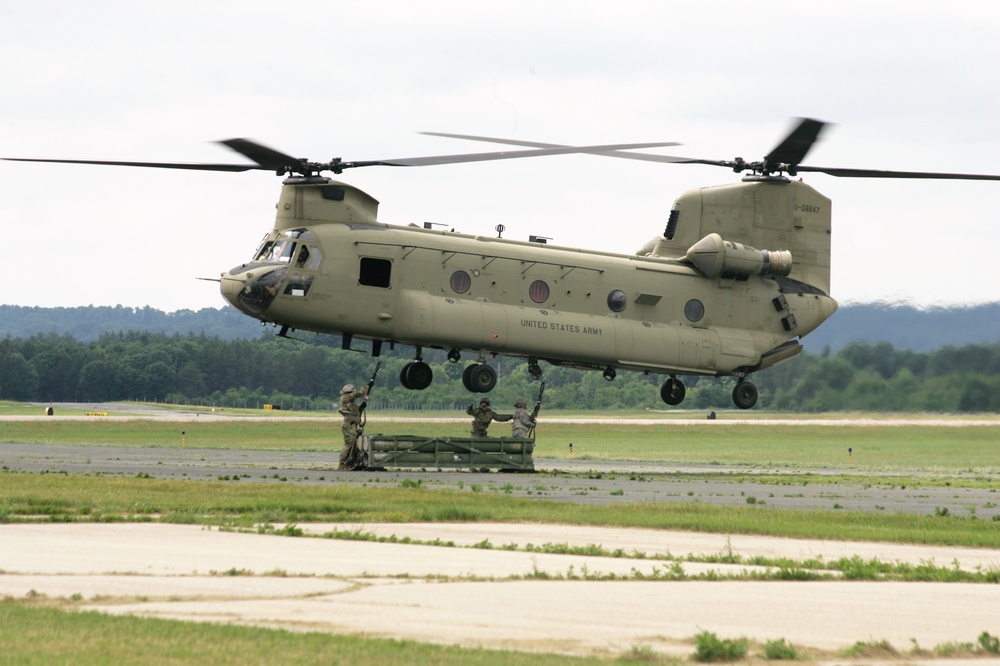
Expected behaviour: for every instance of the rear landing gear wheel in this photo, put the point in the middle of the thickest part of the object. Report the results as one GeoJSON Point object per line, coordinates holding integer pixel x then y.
{"type": "Point", "coordinates": [673, 391]}
{"type": "Point", "coordinates": [465, 378]}
{"type": "Point", "coordinates": [745, 394]}
{"type": "Point", "coordinates": [479, 378]}
{"type": "Point", "coordinates": [482, 378]}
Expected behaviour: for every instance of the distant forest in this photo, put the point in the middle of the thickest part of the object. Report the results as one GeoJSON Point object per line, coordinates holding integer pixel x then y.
{"type": "Point", "coordinates": [124, 356]}
{"type": "Point", "coordinates": [904, 327]}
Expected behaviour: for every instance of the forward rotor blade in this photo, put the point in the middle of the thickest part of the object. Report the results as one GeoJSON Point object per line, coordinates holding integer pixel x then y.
{"type": "Point", "coordinates": [153, 165]}
{"type": "Point", "coordinates": [264, 156]}
{"type": "Point", "coordinates": [269, 159]}
{"type": "Point", "coordinates": [549, 149]}
{"type": "Point", "coordinates": [592, 150]}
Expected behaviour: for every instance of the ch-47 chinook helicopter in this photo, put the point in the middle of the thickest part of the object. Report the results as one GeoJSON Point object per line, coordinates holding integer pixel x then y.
{"type": "Point", "coordinates": [697, 299]}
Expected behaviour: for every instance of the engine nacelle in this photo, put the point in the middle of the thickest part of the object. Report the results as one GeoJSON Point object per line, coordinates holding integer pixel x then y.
{"type": "Point", "coordinates": [714, 256]}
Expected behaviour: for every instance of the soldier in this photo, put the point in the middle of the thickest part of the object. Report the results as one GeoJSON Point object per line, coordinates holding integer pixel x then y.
{"type": "Point", "coordinates": [352, 419]}
{"type": "Point", "coordinates": [523, 420]}
{"type": "Point", "coordinates": [482, 416]}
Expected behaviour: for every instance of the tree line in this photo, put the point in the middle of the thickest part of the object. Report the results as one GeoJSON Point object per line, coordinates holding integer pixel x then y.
{"type": "Point", "coordinates": [301, 375]}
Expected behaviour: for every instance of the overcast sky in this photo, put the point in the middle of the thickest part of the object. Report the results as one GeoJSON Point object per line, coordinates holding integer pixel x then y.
{"type": "Point", "coordinates": [909, 86]}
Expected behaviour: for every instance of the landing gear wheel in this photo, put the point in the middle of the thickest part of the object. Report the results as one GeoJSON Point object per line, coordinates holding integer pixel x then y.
{"type": "Point", "coordinates": [745, 394]}
{"type": "Point", "coordinates": [416, 375]}
{"type": "Point", "coordinates": [467, 378]}
{"type": "Point", "coordinates": [672, 392]}
{"type": "Point", "coordinates": [482, 378]}
{"type": "Point", "coordinates": [419, 376]}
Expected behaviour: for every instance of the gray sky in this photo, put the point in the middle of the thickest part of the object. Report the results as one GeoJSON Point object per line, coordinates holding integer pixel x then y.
{"type": "Point", "coordinates": [910, 86]}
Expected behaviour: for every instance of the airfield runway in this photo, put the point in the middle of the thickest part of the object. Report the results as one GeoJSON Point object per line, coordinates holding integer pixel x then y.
{"type": "Point", "coordinates": [476, 590]}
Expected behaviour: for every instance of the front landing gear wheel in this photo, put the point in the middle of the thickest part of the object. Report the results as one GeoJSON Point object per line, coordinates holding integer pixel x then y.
{"type": "Point", "coordinates": [745, 394]}
{"type": "Point", "coordinates": [673, 391]}
{"type": "Point", "coordinates": [418, 375]}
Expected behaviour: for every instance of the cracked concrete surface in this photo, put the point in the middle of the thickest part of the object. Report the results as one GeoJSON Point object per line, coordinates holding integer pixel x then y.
{"type": "Point", "coordinates": [492, 597]}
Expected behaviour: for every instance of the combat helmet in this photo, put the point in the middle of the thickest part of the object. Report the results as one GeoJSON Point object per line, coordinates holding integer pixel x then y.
{"type": "Point", "coordinates": [348, 388]}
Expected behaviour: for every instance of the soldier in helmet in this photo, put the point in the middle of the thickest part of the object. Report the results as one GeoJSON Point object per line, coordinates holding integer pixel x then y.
{"type": "Point", "coordinates": [523, 422]}
{"type": "Point", "coordinates": [352, 419]}
{"type": "Point", "coordinates": [482, 416]}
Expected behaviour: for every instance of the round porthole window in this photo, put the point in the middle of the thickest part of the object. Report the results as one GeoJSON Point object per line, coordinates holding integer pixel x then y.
{"type": "Point", "coordinates": [460, 282]}
{"type": "Point", "coordinates": [538, 291]}
{"type": "Point", "coordinates": [694, 310]}
{"type": "Point", "coordinates": [617, 300]}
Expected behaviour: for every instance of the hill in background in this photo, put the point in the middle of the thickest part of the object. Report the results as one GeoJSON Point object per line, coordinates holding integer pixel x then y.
{"type": "Point", "coordinates": [907, 327]}
{"type": "Point", "coordinates": [87, 323]}
{"type": "Point", "coordinates": [902, 326]}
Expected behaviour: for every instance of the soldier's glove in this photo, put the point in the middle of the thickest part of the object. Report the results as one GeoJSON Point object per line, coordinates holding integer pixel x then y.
{"type": "Point", "coordinates": [470, 407]}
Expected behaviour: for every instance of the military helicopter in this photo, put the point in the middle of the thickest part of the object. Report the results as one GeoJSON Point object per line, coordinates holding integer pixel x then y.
{"type": "Point", "coordinates": [699, 298]}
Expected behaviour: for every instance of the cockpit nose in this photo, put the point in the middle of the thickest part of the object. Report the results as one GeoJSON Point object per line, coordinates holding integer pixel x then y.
{"type": "Point", "coordinates": [253, 287]}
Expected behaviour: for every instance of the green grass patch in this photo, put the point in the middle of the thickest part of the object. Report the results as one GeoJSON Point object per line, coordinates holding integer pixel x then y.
{"type": "Point", "coordinates": [32, 633]}
{"type": "Point", "coordinates": [709, 647]}
{"type": "Point", "coordinates": [953, 449]}
{"type": "Point", "coordinates": [59, 497]}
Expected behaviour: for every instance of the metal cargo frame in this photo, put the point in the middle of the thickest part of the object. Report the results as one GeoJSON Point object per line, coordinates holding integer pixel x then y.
{"type": "Point", "coordinates": [501, 453]}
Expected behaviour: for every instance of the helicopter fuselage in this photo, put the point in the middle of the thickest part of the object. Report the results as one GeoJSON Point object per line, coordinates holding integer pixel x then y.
{"type": "Point", "coordinates": [720, 308]}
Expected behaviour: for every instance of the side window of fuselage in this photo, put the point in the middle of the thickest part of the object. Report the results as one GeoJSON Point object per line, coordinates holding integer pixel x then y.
{"type": "Point", "coordinates": [309, 257]}
{"type": "Point", "coordinates": [315, 257]}
{"type": "Point", "coordinates": [375, 272]}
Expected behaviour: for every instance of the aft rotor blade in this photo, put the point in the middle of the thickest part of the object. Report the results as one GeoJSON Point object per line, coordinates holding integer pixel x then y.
{"type": "Point", "coordinates": [794, 147]}
{"type": "Point", "coordinates": [873, 173]}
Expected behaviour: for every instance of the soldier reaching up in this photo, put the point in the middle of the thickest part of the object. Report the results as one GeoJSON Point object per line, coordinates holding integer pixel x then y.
{"type": "Point", "coordinates": [352, 420]}
{"type": "Point", "coordinates": [482, 416]}
{"type": "Point", "coordinates": [523, 420]}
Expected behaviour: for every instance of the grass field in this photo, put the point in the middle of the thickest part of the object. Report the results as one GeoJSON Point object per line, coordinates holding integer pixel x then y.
{"type": "Point", "coordinates": [944, 448]}
{"type": "Point", "coordinates": [936, 453]}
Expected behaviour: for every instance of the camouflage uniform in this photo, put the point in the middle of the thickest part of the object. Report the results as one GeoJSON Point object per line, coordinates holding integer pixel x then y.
{"type": "Point", "coordinates": [352, 419]}
{"type": "Point", "coordinates": [482, 416]}
{"type": "Point", "coordinates": [523, 422]}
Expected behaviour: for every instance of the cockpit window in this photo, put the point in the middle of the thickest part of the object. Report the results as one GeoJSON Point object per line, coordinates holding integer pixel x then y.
{"type": "Point", "coordinates": [309, 257]}
{"type": "Point", "coordinates": [263, 251]}
{"type": "Point", "coordinates": [281, 251]}
{"type": "Point", "coordinates": [303, 257]}
{"type": "Point", "coordinates": [301, 234]}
